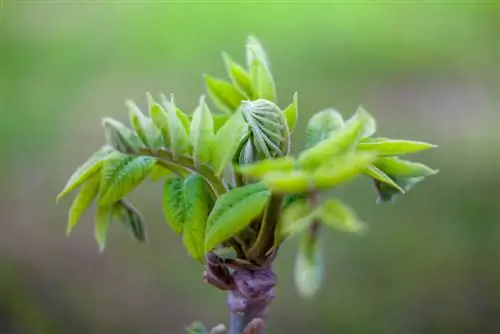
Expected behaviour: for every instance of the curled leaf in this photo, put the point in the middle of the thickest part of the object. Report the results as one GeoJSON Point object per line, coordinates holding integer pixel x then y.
{"type": "Point", "coordinates": [131, 218]}
{"type": "Point", "coordinates": [120, 137]}
{"type": "Point", "coordinates": [322, 126]}
{"type": "Point", "coordinates": [380, 176]}
{"type": "Point", "coordinates": [291, 113]}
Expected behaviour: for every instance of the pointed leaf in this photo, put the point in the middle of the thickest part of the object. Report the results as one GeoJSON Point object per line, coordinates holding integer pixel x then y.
{"type": "Point", "coordinates": [263, 86]}
{"type": "Point", "coordinates": [388, 194]}
{"type": "Point", "coordinates": [238, 75]}
{"type": "Point", "coordinates": [158, 172]}
{"type": "Point", "coordinates": [394, 147]}
{"type": "Point", "coordinates": [202, 133]}
{"type": "Point", "coordinates": [227, 141]}
{"type": "Point", "coordinates": [82, 201]}
{"type": "Point", "coordinates": [160, 119]}
{"type": "Point", "coordinates": [89, 168]}
{"type": "Point", "coordinates": [308, 270]}
{"type": "Point", "coordinates": [233, 211]}
{"type": "Point", "coordinates": [295, 219]}
{"type": "Point", "coordinates": [262, 167]}
{"type": "Point", "coordinates": [289, 182]}
{"type": "Point", "coordinates": [340, 141]}
{"type": "Point", "coordinates": [255, 51]}
{"type": "Point", "coordinates": [144, 127]}
{"type": "Point", "coordinates": [403, 168]}
{"type": "Point", "coordinates": [224, 95]}
{"type": "Point", "coordinates": [103, 218]}
{"type": "Point", "coordinates": [219, 121]}
{"type": "Point", "coordinates": [322, 125]}
{"type": "Point", "coordinates": [291, 113]}
{"type": "Point", "coordinates": [121, 174]}
{"type": "Point", "coordinates": [370, 125]}
{"type": "Point", "coordinates": [131, 218]}
{"type": "Point", "coordinates": [179, 137]}
{"type": "Point", "coordinates": [335, 214]}
{"type": "Point", "coordinates": [379, 175]}
{"type": "Point", "coordinates": [120, 137]}
{"type": "Point", "coordinates": [174, 204]}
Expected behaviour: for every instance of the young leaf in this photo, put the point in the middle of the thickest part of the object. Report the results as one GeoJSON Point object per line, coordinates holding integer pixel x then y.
{"type": "Point", "coordinates": [197, 204]}
{"type": "Point", "coordinates": [120, 137]}
{"type": "Point", "coordinates": [335, 214]}
{"type": "Point", "coordinates": [202, 132]}
{"type": "Point", "coordinates": [295, 218]}
{"type": "Point", "coordinates": [388, 194]}
{"type": "Point", "coordinates": [263, 86]}
{"type": "Point", "coordinates": [233, 211]}
{"type": "Point", "coordinates": [160, 120]}
{"type": "Point", "coordinates": [262, 167]}
{"type": "Point", "coordinates": [370, 124]}
{"type": "Point", "coordinates": [158, 172]}
{"type": "Point", "coordinates": [291, 113]}
{"type": "Point", "coordinates": [131, 218]}
{"type": "Point", "coordinates": [121, 174]}
{"type": "Point", "coordinates": [379, 175]}
{"type": "Point", "coordinates": [103, 218]}
{"type": "Point", "coordinates": [179, 138]}
{"type": "Point", "coordinates": [289, 182]}
{"type": "Point", "coordinates": [89, 168]}
{"type": "Point", "coordinates": [239, 76]}
{"type": "Point", "coordinates": [219, 121]}
{"type": "Point", "coordinates": [223, 94]}
{"type": "Point", "coordinates": [308, 271]}
{"type": "Point", "coordinates": [403, 168]}
{"type": "Point", "coordinates": [340, 141]}
{"type": "Point", "coordinates": [394, 146]}
{"type": "Point", "coordinates": [255, 51]}
{"type": "Point", "coordinates": [144, 127]}
{"type": "Point", "coordinates": [227, 141]}
{"type": "Point", "coordinates": [82, 201]}
{"type": "Point", "coordinates": [174, 204]}
{"type": "Point", "coordinates": [322, 125]}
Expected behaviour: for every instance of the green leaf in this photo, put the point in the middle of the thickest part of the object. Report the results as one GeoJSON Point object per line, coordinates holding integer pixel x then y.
{"type": "Point", "coordinates": [403, 168]}
{"type": "Point", "coordinates": [379, 175]}
{"type": "Point", "coordinates": [179, 137]}
{"type": "Point", "coordinates": [332, 173]}
{"type": "Point", "coordinates": [394, 147]}
{"type": "Point", "coordinates": [388, 194]}
{"type": "Point", "coordinates": [196, 328]}
{"type": "Point", "coordinates": [291, 113]}
{"type": "Point", "coordinates": [335, 214]}
{"type": "Point", "coordinates": [202, 133]}
{"type": "Point", "coordinates": [223, 94]}
{"type": "Point", "coordinates": [308, 270]}
{"type": "Point", "coordinates": [322, 125]}
{"type": "Point", "coordinates": [89, 168]}
{"type": "Point", "coordinates": [120, 137]}
{"type": "Point", "coordinates": [340, 141]}
{"type": "Point", "coordinates": [160, 119]}
{"type": "Point", "coordinates": [147, 131]}
{"type": "Point", "coordinates": [219, 121]}
{"type": "Point", "coordinates": [174, 204]}
{"type": "Point", "coordinates": [131, 218]}
{"type": "Point", "coordinates": [227, 140]}
{"type": "Point", "coordinates": [233, 211]}
{"type": "Point", "coordinates": [158, 172]}
{"type": "Point", "coordinates": [295, 218]}
{"type": "Point", "coordinates": [262, 167]}
{"type": "Point", "coordinates": [263, 86]}
{"type": "Point", "coordinates": [370, 125]}
{"type": "Point", "coordinates": [268, 127]}
{"type": "Point", "coordinates": [103, 218]}
{"type": "Point", "coordinates": [254, 50]}
{"type": "Point", "coordinates": [239, 76]}
{"type": "Point", "coordinates": [121, 174]}
{"type": "Point", "coordinates": [197, 206]}
{"type": "Point", "coordinates": [82, 201]}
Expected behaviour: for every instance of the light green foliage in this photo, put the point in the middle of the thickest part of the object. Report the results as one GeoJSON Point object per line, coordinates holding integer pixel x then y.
{"type": "Point", "coordinates": [219, 120]}
{"type": "Point", "coordinates": [160, 119]}
{"type": "Point", "coordinates": [179, 138]}
{"type": "Point", "coordinates": [262, 167]}
{"type": "Point", "coordinates": [103, 218]}
{"type": "Point", "coordinates": [121, 174]}
{"type": "Point", "coordinates": [202, 132]}
{"type": "Point", "coordinates": [291, 113]}
{"type": "Point", "coordinates": [233, 211]}
{"type": "Point", "coordinates": [131, 218]}
{"type": "Point", "coordinates": [322, 126]}
{"type": "Point", "coordinates": [82, 201]}
{"type": "Point", "coordinates": [239, 77]}
{"type": "Point", "coordinates": [334, 213]}
{"type": "Point", "coordinates": [119, 137]}
{"type": "Point", "coordinates": [174, 203]}
{"type": "Point", "coordinates": [227, 141]}
{"type": "Point", "coordinates": [403, 168]}
{"type": "Point", "coordinates": [295, 218]}
{"type": "Point", "coordinates": [225, 96]}
{"type": "Point", "coordinates": [144, 127]}
{"type": "Point", "coordinates": [391, 147]}
{"type": "Point", "coordinates": [263, 85]}
{"type": "Point", "coordinates": [308, 270]}
{"type": "Point", "coordinates": [380, 176]}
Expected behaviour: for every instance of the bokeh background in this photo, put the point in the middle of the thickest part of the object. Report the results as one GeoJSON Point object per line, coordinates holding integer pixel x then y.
{"type": "Point", "coordinates": [430, 263]}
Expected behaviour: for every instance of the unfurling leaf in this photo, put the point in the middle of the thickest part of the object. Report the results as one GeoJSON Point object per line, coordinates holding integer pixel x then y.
{"type": "Point", "coordinates": [202, 133]}
{"type": "Point", "coordinates": [227, 140]}
{"type": "Point", "coordinates": [224, 95]}
{"type": "Point", "coordinates": [121, 174]}
{"type": "Point", "coordinates": [254, 50]}
{"type": "Point", "coordinates": [380, 176]}
{"type": "Point", "coordinates": [291, 113]}
{"type": "Point", "coordinates": [239, 76]}
{"type": "Point", "coordinates": [179, 137]}
{"type": "Point", "coordinates": [334, 213]}
{"type": "Point", "coordinates": [233, 211]}
{"type": "Point", "coordinates": [88, 169]}
{"type": "Point", "coordinates": [131, 218]}
{"type": "Point", "coordinates": [370, 125]}
{"type": "Point", "coordinates": [308, 270]}
{"type": "Point", "coordinates": [103, 218]}
{"type": "Point", "coordinates": [322, 126]}
{"type": "Point", "coordinates": [268, 126]}
{"type": "Point", "coordinates": [263, 86]}
{"type": "Point", "coordinates": [295, 218]}
{"type": "Point", "coordinates": [340, 141]}
{"type": "Point", "coordinates": [147, 131]}
{"type": "Point", "coordinates": [390, 147]}
{"type": "Point", "coordinates": [82, 201]}
{"type": "Point", "coordinates": [388, 194]}
{"type": "Point", "coordinates": [262, 167]}
{"type": "Point", "coordinates": [120, 137]}
{"type": "Point", "coordinates": [403, 168]}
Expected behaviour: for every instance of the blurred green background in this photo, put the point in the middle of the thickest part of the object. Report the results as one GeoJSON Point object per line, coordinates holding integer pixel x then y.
{"type": "Point", "coordinates": [430, 263]}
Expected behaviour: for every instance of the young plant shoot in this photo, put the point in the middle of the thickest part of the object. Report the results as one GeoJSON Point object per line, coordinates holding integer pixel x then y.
{"type": "Point", "coordinates": [232, 190]}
